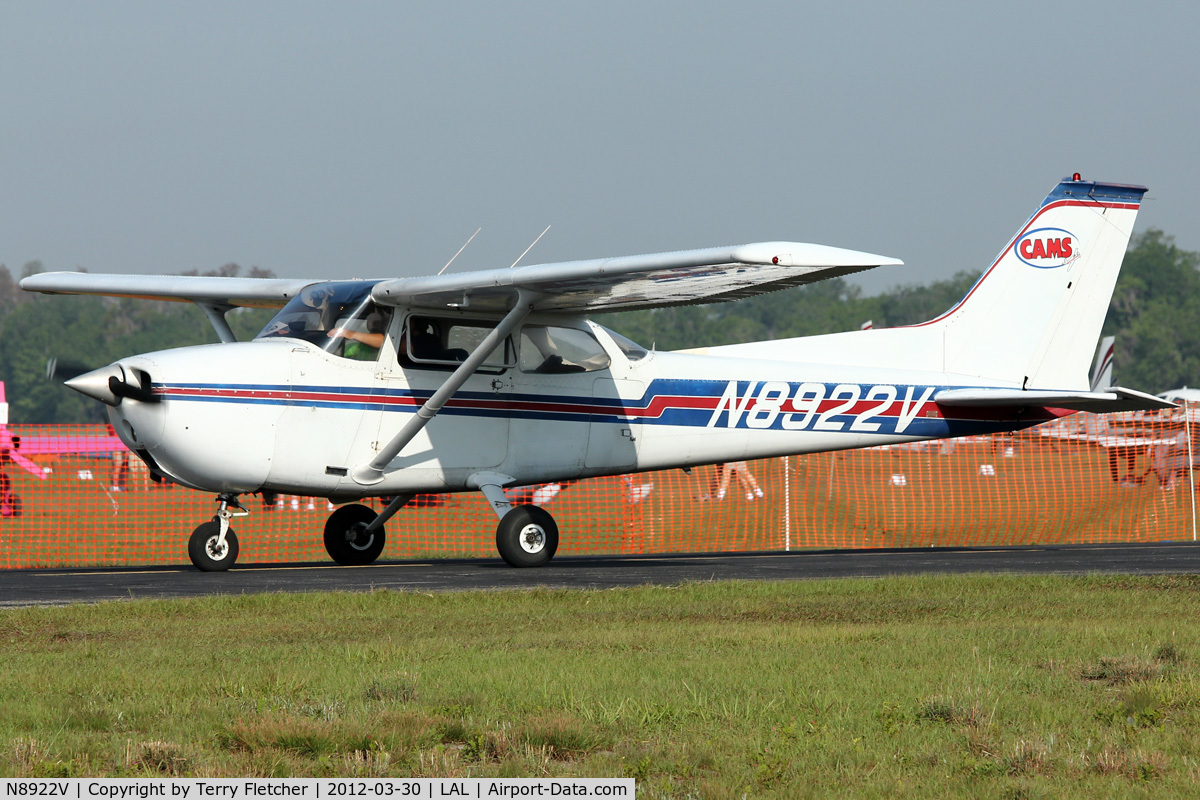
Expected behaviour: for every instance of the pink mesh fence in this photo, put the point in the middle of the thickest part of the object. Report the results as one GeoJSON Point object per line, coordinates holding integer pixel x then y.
{"type": "Point", "coordinates": [1084, 478]}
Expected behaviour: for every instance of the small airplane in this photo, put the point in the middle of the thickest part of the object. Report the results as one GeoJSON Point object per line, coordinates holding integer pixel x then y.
{"type": "Point", "coordinates": [1162, 444]}
{"type": "Point", "coordinates": [1096, 429]}
{"type": "Point", "coordinates": [1102, 376]}
{"type": "Point", "coordinates": [1102, 373]}
{"type": "Point", "coordinates": [484, 380]}
{"type": "Point", "coordinates": [17, 449]}
{"type": "Point", "coordinates": [1181, 395]}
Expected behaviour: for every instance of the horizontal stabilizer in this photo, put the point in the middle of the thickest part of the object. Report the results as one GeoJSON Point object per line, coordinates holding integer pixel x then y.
{"type": "Point", "coordinates": [1113, 399]}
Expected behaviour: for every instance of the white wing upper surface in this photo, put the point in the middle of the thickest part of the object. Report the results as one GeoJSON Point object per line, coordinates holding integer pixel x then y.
{"type": "Point", "coordinates": [253, 292]}
{"type": "Point", "coordinates": [602, 284]}
{"type": "Point", "coordinates": [632, 282]}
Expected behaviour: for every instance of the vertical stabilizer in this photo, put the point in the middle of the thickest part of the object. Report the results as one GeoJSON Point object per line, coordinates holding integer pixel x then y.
{"type": "Point", "coordinates": [1034, 317]}
{"type": "Point", "coordinates": [1031, 320]}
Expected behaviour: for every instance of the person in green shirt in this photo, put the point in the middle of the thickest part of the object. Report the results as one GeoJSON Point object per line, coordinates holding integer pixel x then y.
{"type": "Point", "coordinates": [363, 345]}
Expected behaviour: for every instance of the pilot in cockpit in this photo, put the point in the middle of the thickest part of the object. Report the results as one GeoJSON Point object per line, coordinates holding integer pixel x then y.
{"type": "Point", "coordinates": [363, 345]}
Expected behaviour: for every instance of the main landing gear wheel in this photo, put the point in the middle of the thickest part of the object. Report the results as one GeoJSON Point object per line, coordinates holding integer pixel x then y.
{"type": "Point", "coordinates": [527, 537]}
{"type": "Point", "coordinates": [346, 539]}
{"type": "Point", "coordinates": [208, 552]}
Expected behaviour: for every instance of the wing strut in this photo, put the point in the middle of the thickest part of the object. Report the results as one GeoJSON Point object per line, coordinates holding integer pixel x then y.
{"type": "Point", "coordinates": [216, 315]}
{"type": "Point", "coordinates": [372, 473]}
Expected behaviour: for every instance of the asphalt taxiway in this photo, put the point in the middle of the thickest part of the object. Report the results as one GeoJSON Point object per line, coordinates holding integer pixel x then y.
{"type": "Point", "coordinates": [61, 586]}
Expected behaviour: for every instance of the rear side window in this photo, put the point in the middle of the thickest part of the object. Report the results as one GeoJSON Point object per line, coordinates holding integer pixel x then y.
{"type": "Point", "coordinates": [549, 349]}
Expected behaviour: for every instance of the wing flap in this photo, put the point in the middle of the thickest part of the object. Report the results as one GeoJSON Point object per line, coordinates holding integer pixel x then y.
{"type": "Point", "coordinates": [1115, 398]}
{"type": "Point", "coordinates": [252, 292]}
{"type": "Point", "coordinates": [647, 281]}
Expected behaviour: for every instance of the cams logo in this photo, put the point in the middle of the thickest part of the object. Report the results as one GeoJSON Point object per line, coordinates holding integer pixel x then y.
{"type": "Point", "coordinates": [1047, 248]}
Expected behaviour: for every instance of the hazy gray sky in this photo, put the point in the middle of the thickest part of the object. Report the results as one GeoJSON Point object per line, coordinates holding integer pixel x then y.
{"type": "Point", "coordinates": [370, 139]}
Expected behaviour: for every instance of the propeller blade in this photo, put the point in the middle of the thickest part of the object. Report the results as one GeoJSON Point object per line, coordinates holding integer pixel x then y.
{"type": "Point", "coordinates": [62, 370]}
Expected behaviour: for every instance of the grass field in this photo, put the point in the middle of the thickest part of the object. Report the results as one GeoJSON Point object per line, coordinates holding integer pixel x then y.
{"type": "Point", "coordinates": [961, 686]}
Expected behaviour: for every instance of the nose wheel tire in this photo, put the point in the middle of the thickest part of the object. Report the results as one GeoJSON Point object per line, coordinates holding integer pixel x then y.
{"type": "Point", "coordinates": [346, 539]}
{"type": "Point", "coordinates": [206, 550]}
{"type": "Point", "coordinates": [527, 537]}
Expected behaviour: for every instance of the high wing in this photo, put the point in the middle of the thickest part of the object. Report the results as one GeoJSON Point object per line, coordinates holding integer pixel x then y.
{"type": "Point", "coordinates": [632, 282]}
{"type": "Point", "coordinates": [1113, 399]}
{"type": "Point", "coordinates": [602, 284]}
{"type": "Point", "coordinates": [220, 292]}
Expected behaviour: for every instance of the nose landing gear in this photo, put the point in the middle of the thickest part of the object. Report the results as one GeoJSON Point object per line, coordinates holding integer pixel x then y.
{"type": "Point", "coordinates": [213, 546]}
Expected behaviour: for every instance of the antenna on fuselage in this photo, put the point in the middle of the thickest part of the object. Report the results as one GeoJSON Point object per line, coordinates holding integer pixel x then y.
{"type": "Point", "coordinates": [456, 255]}
{"type": "Point", "coordinates": [527, 249]}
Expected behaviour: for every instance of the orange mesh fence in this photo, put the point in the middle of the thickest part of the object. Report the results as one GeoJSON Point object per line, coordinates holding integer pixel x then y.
{"type": "Point", "coordinates": [1084, 478]}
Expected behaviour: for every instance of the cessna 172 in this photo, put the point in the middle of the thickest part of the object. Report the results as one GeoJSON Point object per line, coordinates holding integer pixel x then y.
{"type": "Point", "coordinates": [1102, 373]}
{"type": "Point", "coordinates": [482, 380]}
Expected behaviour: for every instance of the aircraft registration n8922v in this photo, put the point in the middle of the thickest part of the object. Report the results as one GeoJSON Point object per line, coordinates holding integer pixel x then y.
{"type": "Point", "coordinates": [493, 379]}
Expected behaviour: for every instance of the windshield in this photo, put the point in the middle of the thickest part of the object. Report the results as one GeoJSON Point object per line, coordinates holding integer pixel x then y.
{"type": "Point", "coordinates": [632, 350]}
{"type": "Point", "coordinates": [324, 312]}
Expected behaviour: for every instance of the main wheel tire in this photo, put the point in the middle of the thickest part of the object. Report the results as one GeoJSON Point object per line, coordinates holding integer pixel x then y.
{"type": "Point", "coordinates": [203, 549]}
{"type": "Point", "coordinates": [527, 537]}
{"type": "Point", "coordinates": [345, 540]}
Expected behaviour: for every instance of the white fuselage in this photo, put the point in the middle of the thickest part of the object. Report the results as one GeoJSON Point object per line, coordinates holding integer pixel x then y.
{"type": "Point", "coordinates": [283, 415]}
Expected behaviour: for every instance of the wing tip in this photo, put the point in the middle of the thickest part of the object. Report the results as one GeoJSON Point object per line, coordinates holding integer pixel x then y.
{"type": "Point", "coordinates": [809, 255]}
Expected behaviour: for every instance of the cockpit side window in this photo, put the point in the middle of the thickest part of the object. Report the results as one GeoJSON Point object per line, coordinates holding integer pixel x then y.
{"type": "Point", "coordinates": [444, 343]}
{"type": "Point", "coordinates": [362, 333]}
{"type": "Point", "coordinates": [549, 349]}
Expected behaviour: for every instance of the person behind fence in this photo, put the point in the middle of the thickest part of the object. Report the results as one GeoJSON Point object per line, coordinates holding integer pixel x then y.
{"type": "Point", "coordinates": [1129, 456]}
{"type": "Point", "coordinates": [708, 490]}
{"type": "Point", "coordinates": [118, 474]}
{"type": "Point", "coordinates": [10, 501]}
{"type": "Point", "coordinates": [744, 476]}
{"type": "Point", "coordinates": [1169, 461]}
{"type": "Point", "coordinates": [538, 494]}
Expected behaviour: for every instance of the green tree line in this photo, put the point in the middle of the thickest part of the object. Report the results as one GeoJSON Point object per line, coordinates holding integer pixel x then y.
{"type": "Point", "coordinates": [1153, 314]}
